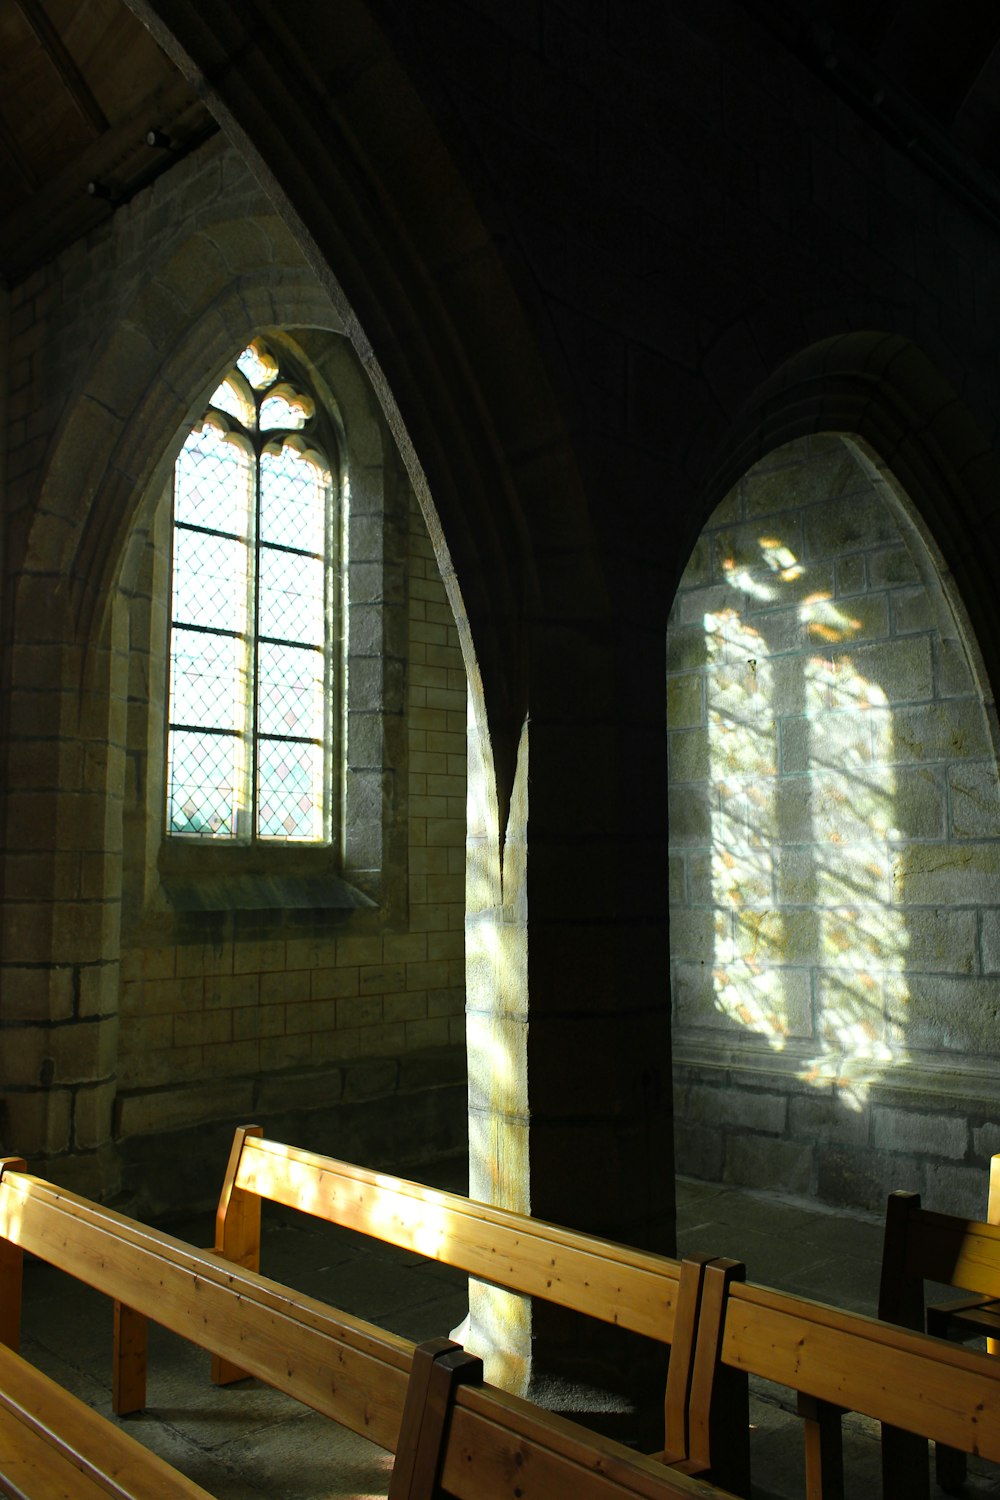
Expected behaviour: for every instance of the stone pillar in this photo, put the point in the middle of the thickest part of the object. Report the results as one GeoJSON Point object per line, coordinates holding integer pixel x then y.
{"type": "Point", "coordinates": [568, 1010]}
{"type": "Point", "coordinates": [496, 980]}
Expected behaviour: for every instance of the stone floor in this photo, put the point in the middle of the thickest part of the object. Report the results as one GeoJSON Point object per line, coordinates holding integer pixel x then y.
{"type": "Point", "coordinates": [247, 1441]}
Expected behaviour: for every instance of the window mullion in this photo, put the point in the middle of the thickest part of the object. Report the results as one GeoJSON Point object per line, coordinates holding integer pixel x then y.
{"type": "Point", "coordinates": [254, 648]}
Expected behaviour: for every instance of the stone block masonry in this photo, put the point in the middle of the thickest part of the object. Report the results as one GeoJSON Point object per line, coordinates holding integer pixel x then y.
{"type": "Point", "coordinates": [835, 838]}
{"type": "Point", "coordinates": [147, 994]}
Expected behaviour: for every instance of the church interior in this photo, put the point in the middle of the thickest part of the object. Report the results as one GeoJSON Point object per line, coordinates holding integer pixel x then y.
{"type": "Point", "coordinates": [499, 619]}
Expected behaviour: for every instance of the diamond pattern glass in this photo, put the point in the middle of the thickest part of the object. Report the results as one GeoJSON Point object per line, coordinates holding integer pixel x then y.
{"type": "Point", "coordinates": [289, 790]}
{"type": "Point", "coordinates": [207, 681]}
{"type": "Point", "coordinates": [293, 491]}
{"type": "Point", "coordinates": [283, 408]}
{"type": "Point", "coordinates": [209, 580]}
{"type": "Point", "coordinates": [249, 633]}
{"type": "Point", "coordinates": [291, 597]}
{"type": "Point", "coordinates": [258, 366]}
{"type": "Point", "coordinates": [290, 691]}
{"type": "Point", "coordinates": [213, 481]}
{"type": "Point", "coordinates": [203, 774]}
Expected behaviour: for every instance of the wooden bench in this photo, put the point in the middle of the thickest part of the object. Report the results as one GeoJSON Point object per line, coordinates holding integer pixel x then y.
{"type": "Point", "coordinates": [832, 1360]}
{"type": "Point", "coordinates": [838, 1361]}
{"type": "Point", "coordinates": [473, 1441]}
{"type": "Point", "coordinates": [922, 1246]}
{"type": "Point", "coordinates": [645, 1293]}
{"type": "Point", "coordinates": [51, 1444]}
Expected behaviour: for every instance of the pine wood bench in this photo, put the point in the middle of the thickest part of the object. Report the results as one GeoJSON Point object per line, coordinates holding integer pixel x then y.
{"type": "Point", "coordinates": [838, 1361]}
{"type": "Point", "coordinates": [449, 1432]}
{"type": "Point", "coordinates": [706, 1424]}
{"type": "Point", "coordinates": [51, 1444]}
{"type": "Point", "coordinates": [921, 1246]}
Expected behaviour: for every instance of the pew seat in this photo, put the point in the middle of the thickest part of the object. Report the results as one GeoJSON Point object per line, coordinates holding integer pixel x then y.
{"type": "Point", "coordinates": [54, 1445]}
{"type": "Point", "coordinates": [452, 1434]}
{"type": "Point", "coordinates": [920, 1247]}
{"type": "Point", "coordinates": [649, 1294]}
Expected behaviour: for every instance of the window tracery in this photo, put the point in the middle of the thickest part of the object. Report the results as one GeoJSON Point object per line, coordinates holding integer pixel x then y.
{"type": "Point", "coordinates": [251, 659]}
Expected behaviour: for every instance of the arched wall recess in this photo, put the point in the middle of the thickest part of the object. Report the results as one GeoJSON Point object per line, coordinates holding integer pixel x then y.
{"type": "Point", "coordinates": [835, 816]}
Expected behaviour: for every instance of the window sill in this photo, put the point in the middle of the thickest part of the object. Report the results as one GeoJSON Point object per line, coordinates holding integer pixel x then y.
{"type": "Point", "coordinates": [194, 878]}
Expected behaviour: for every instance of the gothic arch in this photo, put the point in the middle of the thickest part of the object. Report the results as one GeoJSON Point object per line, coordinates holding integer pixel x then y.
{"type": "Point", "coordinates": [384, 215]}
{"type": "Point", "coordinates": [882, 389]}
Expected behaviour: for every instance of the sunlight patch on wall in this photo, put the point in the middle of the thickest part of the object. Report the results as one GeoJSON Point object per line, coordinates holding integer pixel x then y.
{"type": "Point", "coordinates": [803, 812]}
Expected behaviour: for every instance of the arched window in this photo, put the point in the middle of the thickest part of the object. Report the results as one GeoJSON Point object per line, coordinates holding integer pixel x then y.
{"type": "Point", "coordinates": [253, 603]}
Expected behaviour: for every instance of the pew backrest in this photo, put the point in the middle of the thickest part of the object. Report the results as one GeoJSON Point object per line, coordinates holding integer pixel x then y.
{"type": "Point", "coordinates": [843, 1359]}
{"type": "Point", "coordinates": [705, 1428]}
{"type": "Point", "coordinates": [923, 1246]}
{"type": "Point", "coordinates": [612, 1282]}
{"type": "Point", "coordinates": [340, 1366]}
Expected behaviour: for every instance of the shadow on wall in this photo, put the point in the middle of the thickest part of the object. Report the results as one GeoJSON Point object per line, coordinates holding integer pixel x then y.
{"type": "Point", "coordinates": [834, 795]}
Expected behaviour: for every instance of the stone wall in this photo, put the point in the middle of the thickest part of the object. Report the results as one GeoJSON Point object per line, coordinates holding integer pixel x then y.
{"type": "Point", "coordinates": [835, 847]}
{"type": "Point", "coordinates": [149, 1004]}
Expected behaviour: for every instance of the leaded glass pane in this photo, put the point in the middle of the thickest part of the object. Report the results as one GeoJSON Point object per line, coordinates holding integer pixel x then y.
{"type": "Point", "coordinates": [290, 604]}
{"type": "Point", "coordinates": [207, 681]}
{"type": "Point", "coordinates": [258, 366]}
{"type": "Point", "coordinates": [289, 790]}
{"type": "Point", "coordinates": [229, 398]}
{"type": "Point", "coordinates": [249, 646]}
{"type": "Point", "coordinates": [293, 493]}
{"type": "Point", "coordinates": [210, 580]}
{"type": "Point", "coordinates": [290, 691]}
{"type": "Point", "coordinates": [213, 482]}
{"type": "Point", "coordinates": [204, 772]}
{"type": "Point", "coordinates": [286, 409]}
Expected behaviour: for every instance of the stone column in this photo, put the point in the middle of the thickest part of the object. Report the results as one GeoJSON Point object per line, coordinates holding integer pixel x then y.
{"type": "Point", "coordinates": [568, 1010]}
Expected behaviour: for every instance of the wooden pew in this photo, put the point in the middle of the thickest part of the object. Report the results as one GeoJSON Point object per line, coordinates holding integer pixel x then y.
{"type": "Point", "coordinates": [52, 1444]}
{"type": "Point", "coordinates": [614, 1283]}
{"type": "Point", "coordinates": [481, 1448]}
{"type": "Point", "coordinates": [838, 1361]}
{"type": "Point", "coordinates": [922, 1246]}
{"type": "Point", "coordinates": [833, 1361]}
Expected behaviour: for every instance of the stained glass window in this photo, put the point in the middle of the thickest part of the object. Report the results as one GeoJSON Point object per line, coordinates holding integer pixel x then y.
{"type": "Point", "coordinates": [250, 725]}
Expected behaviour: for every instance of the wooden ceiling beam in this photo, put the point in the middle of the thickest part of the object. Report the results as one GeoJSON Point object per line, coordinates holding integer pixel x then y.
{"type": "Point", "coordinates": [56, 50]}
{"type": "Point", "coordinates": [10, 147]}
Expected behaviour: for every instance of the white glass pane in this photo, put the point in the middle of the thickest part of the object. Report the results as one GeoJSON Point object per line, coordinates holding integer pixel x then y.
{"type": "Point", "coordinates": [291, 597]}
{"type": "Point", "coordinates": [285, 408]}
{"type": "Point", "coordinates": [209, 580]}
{"type": "Point", "coordinates": [229, 398]}
{"type": "Point", "coordinates": [207, 683]}
{"type": "Point", "coordinates": [289, 791]}
{"type": "Point", "coordinates": [290, 691]}
{"type": "Point", "coordinates": [293, 493]}
{"type": "Point", "coordinates": [203, 775]}
{"type": "Point", "coordinates": [258, 366]}
{"type": "Point", "coordinates": [213, 481]}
